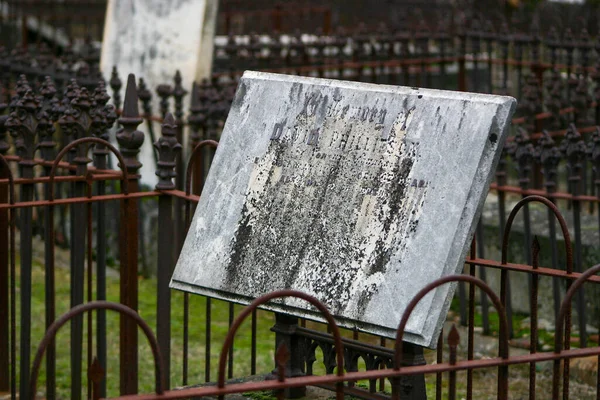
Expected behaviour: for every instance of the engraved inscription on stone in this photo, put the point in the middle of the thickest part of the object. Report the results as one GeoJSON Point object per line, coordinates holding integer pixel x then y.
{"type": "Point", "coordinates": [355, 193]}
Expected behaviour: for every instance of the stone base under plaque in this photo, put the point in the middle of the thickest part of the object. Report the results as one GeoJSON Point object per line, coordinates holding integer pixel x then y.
{"type": "Point", "coordinates": [289, 334]}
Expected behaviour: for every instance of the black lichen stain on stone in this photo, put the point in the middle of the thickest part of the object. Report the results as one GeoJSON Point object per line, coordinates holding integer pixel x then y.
{"type": "Point", "coordinates": [239, 96]}
{"type": "Point", "coordinates": [295, 92]}
{"type": "Point", "coordinates": [242, 238]}
{"type": "Point", "coordinates": [365, 299]}
{"type": "Point", "coordinates": [462, 114]}
{"type": "Point", "coordinates": [395, 196]}
{"type": "Point", "coordinates": [318, 232]}
{"type": "Point", "coordinates": [493, 138]}
{"type": "Point", "coordinates": [288, 228]}
{"type": "Point", "coordinates": [381, 255]}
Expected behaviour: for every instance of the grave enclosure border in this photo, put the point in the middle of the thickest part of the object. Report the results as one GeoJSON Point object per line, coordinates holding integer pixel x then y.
{"type": "Point", "coordinates": [101, 176]}
{"type": "Point", "coordinates": [168, 149]}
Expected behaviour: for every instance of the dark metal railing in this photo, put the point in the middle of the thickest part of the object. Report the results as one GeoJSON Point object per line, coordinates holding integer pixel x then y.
{"type": "Point", "coordinates": [553, 155]}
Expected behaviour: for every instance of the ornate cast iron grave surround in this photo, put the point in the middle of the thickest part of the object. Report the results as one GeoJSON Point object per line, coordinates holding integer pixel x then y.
{"type": "Point", "coordinates": [356, 193]}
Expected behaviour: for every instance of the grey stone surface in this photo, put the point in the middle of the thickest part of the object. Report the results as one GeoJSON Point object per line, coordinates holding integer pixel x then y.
{"type": "Point", "coordinates": [153, 39]}
{"type": "Point", "coordinates": [356, 193]}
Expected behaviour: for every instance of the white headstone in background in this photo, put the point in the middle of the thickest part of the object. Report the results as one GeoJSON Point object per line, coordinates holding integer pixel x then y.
{"type": "Point", "coordinates": [358, 194]}
{"type": "Point", "coordinates": [153, 39]}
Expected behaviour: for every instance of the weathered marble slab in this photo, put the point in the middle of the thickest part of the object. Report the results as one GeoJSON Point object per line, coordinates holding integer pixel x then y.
{"type": "Point", "coordinates": [356, 193]}
{"type": "Point", "coordinates": [153, 39]}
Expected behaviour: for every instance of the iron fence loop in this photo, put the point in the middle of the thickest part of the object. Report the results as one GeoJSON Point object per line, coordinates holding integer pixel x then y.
{"type": "Point", "coordinates": [339, 347]}
{"type": "Point", "coordinates": [11, 178]}
{"type": "Point", "coordinates": [12, 279]}
{"type": "Point", "coordinates": [87, 307]}
{"type": "Point", "coordinates": [192, 160]}
{"type": "Point", "coordinates": [503, 349]}
{"type": "Point", "coordinates": [566, 303]}
{"type": "Point", "coordinates": [65, 150]}
{"type": "Point", "coordinates": [563, 314]}
{"type": "Point", "coordinates": [559, 217]}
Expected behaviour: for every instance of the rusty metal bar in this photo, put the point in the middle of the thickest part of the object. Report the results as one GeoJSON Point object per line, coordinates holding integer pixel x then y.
{"type": "Point", "coordinates": [27, 193]}
{"type": "Point", "coordinates": [78, 240]}
{"type": "Point", "coordinates": [471, 323]}
{"type": "Point", "coordinates": [479, 239]}
{"type": "Point", "coordinates": [501, 178]}
{"type": "Point", "coordinates": [168, 149]}
{"type": "Point", "coordinates": [100, 163]}
{"type": "Point", "coordinates": [315, 380]}
{"type": "Point", "coordinates": [93, 199]}
{"type": "Point", "coordinates": [533, 343]}
{"type": "Point", "coordinates": [165, 265]}
{"type": "Point", "coordinates": [4, 287]}
{"type": "Point", "coordinates": [97, 305]}
{"type": "Point", "coordinates": [65, 178]}
{"type": "Point", "coordinates": [130, 141]}
{"type": "Point", "coordinates": [439, 360]}
{"type": "Point", "coordinates": [11, 275]}
{"type": "Point", "coordinates": [49, 281]}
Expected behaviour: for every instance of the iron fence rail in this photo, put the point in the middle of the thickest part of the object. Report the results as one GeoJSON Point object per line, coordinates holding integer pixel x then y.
{"type": "Point", "coordinates": [167, 147]}
{"type": "Point", "coordinates": [552, 160]}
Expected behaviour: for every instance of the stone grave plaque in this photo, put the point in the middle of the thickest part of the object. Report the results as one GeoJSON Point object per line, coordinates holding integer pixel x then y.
{"type": "Point", "coordinates": [153, 39]}
{"type": "Point", "coordinates": [358, 194]}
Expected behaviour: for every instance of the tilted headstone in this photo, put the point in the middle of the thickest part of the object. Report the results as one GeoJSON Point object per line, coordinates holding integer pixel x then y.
{"type": "Point", "coordinates": [153, 39]}
{"type": "Point", "coordinates": [358, 194]}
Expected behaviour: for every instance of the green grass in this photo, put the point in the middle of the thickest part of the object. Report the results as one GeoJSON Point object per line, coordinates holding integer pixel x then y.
{"type": "Point", "coordinates": [197, 320]}
{"type": "Point", "coordinates": [147, 309]}
{"type": "Point", "coordinates": [545, 337]}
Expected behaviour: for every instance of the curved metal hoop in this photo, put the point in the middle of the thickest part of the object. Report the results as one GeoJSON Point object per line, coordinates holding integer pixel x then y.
{"type": "Point", "coordinates": [12, 272]}
{"type": "Point", "coordinates": [188, 173]}
{"type": "Point", "coordinates": [98, 305]}
{"type": "Point", "coordinates": [503, 347]}
{"type": "Point", "coordinates": [11, 180]}
{"type": "Point", "coordinates": [559, 217]}
{"type": "Point", "coordinates": [566, 304]}
{"type": "Point", "coordinates": [77, 142]}
{"type": "Point", "coordinates": [339, 349]}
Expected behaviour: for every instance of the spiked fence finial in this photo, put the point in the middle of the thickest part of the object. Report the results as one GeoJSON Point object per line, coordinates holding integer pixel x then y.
{"type": "Point", "coordinates": [129, 138]}
{"type": "Point", "coordinates": [168, 148]}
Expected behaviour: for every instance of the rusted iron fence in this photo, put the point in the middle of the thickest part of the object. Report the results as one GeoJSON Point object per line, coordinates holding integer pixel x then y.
{"type": "Point", "coordinates": [238, 17]}
{"type": "Point", "coordinates": [57, 123]}
{"type": "Point", "coordinates": [59, 23]}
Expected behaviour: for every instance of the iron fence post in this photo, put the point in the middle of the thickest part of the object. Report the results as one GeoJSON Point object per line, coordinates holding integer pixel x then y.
{"type": "Point", "coordinates": [285, 335]}
{"type": "Point", "coordinates": [4, 269]}
{"type": "Point", "coordinates": [549, 156]}
{"type": "Point", "coordinates": [178, 93]}
{"type": "Point", "coordinates": [47, 145]}
{"type": "Point", "coordinates": [168, 148]}
{"type": "Point", "coordinates": [412, 387]}
{"type": "Point", "coordinates": [22, 124]}
{"type": "Point", "coordinates": [130, 140]}
{"type": "Point", "coordinates": [105, 119]}
{"type": "Point", "coordinates": [76, 122]}
{"type": "Point", "coordinates": [522, 153]}
{"type": "Point", "coordinates": [574, 150]}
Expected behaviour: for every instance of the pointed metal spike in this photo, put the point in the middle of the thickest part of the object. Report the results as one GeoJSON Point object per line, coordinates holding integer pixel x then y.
{"type": "Point", "coordinates": [195, 102]}
{"type": "Point", "coordinates": [453, 337]}
{"type": "Point", "coordinates": [169, 126]}
{"type": "Point", "coordinates": [169, 119]}
{"type": "Point", "coordinates": [130, 104]}
{"type": "Point", "coordinates": [96, 372]}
